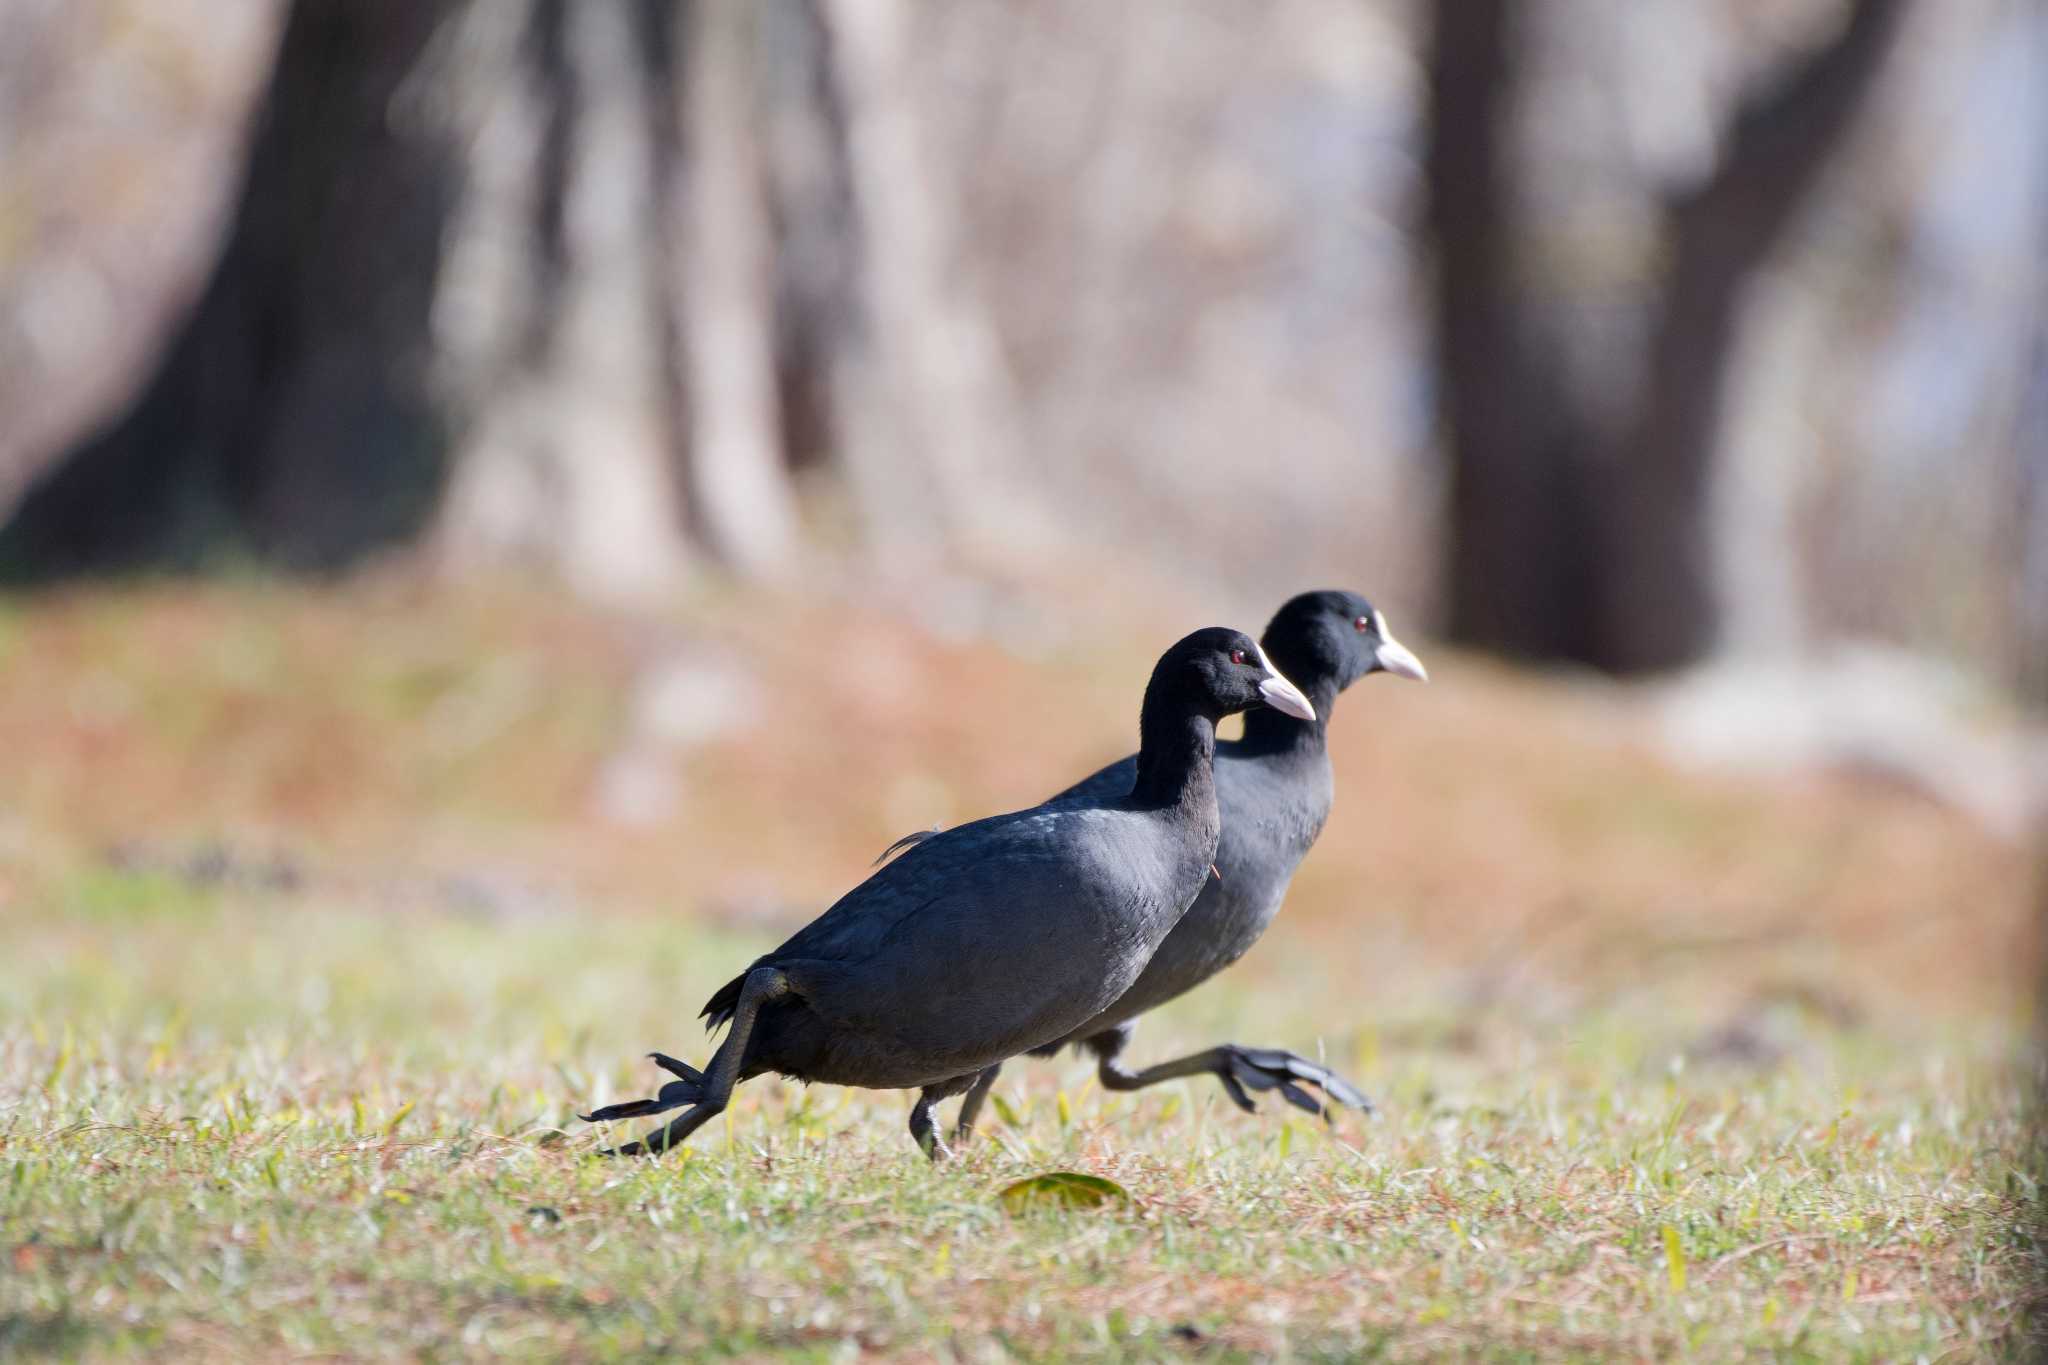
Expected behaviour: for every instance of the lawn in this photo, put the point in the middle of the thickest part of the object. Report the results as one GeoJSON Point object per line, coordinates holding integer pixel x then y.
{"type": "Point", "coordinates": [318, 931]}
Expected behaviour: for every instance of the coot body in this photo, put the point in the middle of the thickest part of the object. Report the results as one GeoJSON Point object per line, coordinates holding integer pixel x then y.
{"type": "Point", "coordinates": [1274, 790]}
{"type": "Point", "coordinates": [999, 935]}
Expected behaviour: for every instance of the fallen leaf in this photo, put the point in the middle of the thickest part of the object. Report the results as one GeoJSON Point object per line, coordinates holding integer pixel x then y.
{"type": "Point", "coordinates": [1062, 1190]}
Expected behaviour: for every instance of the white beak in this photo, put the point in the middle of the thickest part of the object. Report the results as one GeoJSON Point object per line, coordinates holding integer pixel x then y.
{"type": "Point", "coordinates": [1282, 695]}
{"type": "Point", "coordinates": [1395, 657]}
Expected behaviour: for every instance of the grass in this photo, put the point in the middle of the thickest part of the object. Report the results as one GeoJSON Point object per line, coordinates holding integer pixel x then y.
{"type": "Point", "coordinates": [1667, 1065]}
{"type": "Point", "coordinates": [257, 1127]}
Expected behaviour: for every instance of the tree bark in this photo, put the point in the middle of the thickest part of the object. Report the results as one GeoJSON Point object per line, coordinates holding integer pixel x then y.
{"type": "Point", "coordinates": [1519, 570]}
{"type": "Point", "coordinates": [1657, 569]}
{"type": "Point", "coordinates": [498, 269]}
{"type": "Point", "coordinates": [809, 180]}
{"type": "Point", "coordinates": [506, 269]}
{"type": "Point", "coordinates": [739, 490]}
{"type": "Point", "coordinates": [926, 412]}
{"type": "Point", "coordinates": [289, 416]}
{"type": "Point", "coordinates": [563, 369]}
{"type": "Point", "coordinates": [1572, 537]}
{"type": "Point", "coordinates": [622, 411]}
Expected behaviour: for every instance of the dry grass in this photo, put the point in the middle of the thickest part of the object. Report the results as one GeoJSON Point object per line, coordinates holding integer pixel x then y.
{"type": "Point", "coordinates": [1666, 1062]}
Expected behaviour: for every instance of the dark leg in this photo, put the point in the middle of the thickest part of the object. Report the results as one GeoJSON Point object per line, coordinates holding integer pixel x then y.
{"type": "Point", "coordinates": [1238, 1068]}
{"type": "Point", "coordinates": [674, 1095]}
{"type": "Point", "coordinates": [970, 1108]}
{"type": "Point", "coordinates": [922, 1128]}
{"type": "Point", "coordinates": [763, 985]}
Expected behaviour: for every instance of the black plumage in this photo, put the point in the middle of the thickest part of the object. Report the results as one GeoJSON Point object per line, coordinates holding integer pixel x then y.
{"type": "Point", "coordinates": [1274, 788]}
{"type": "Point", "coordinates": [993, 937]}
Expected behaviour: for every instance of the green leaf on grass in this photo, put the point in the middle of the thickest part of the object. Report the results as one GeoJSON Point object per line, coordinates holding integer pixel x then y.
{"type": "Point", "coordinates": [1674, 1259]}
{"type": "Point", "coordinates": [1060, 1190]}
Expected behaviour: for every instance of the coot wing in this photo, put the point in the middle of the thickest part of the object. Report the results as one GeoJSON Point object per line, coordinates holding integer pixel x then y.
{"type": "Point", "coordinates": [988, 868]}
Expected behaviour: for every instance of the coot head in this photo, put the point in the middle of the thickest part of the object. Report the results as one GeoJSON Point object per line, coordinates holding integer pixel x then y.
{"type": "Point", "coordinates": [1338, 636]}
{"type": "Point", "coordinates": [1219, 671]}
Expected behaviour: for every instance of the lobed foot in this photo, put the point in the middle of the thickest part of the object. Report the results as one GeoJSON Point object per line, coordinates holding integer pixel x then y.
{"type": "Point", "coordinates": [1244, 1069]}
{"type": "Point", "coordinates": [687, 1089]}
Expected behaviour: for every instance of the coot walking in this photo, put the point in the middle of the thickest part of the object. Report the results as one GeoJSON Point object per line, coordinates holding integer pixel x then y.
{"type": "Point", "coordinates": [994, 937]}
{"type": "Point", "coordinates": [1274, 788]}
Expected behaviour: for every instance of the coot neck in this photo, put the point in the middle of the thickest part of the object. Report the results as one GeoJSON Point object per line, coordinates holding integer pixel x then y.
{"type": "Point", "coordinates": [1176, 748]}
{"type": "Point", "coordinates": [1267, 731]}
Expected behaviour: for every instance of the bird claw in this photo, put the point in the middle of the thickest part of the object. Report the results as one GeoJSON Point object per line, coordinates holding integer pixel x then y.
{"type": "Point", "coordinates": [1236, 1092]}
{"type": "Point", "coordinates": [677, 1093]}
{"type": "Point", "coordinates": [676, 1068]}
{"type": "Point", "coordinates": [1276, 1069]}
{"type": "Point", "coordinates": [1303, 1101]}
{"type": "Point", "coordinates": [626, 1109]}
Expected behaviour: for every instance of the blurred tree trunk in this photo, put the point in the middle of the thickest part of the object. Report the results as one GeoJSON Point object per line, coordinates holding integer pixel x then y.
{"type": "Point", "coordinates": [1521, 568]}
{"type": "Point", "coordinates": [1576, 535]}
{"type": "Point", "coordinates": [609, 313]}
{"type": "Point", "coordinates": [558, 325]}
{"type": "Point", "coordinates": [2028, 533]}
{"type": "Point", "coordinates": [811, 217]}
{"type": "Point", "coordinates": [933, 427]}
{"type": "Point", "coordinates": [500, 269]}
{"type": "Point", "coordinates": [553, 279]}
{"type": "Point", "coordinates": [738, 483]}
{"type": "Point", "coordinates": [289, 416]}
{"type": "Point", "coordinates": [889, 363]}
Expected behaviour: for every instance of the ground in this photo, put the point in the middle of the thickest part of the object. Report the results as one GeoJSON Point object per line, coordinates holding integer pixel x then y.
{"type": "Point", "coordinates": [324, 913]}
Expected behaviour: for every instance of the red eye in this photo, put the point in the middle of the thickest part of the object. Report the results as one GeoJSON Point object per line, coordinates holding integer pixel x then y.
{"type": "Point", "coordinates": [1362, 624]}
{"type": "Point", "coordinates": [1237, 656]}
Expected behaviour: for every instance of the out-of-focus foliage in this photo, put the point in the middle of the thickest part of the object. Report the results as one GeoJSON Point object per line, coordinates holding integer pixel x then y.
{"type": "Point", "coordinates": [1049, 275]}
{"type": "Point", "coordinates": [1016, 279]}
{"type": "Point", "coordinates": [120, 141]}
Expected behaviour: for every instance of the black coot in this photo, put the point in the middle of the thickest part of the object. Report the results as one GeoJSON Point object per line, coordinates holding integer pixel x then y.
{"type": "Point", "coordinates": [994, 937]}
{"type": "Point", "coordinates": [1274, 789]}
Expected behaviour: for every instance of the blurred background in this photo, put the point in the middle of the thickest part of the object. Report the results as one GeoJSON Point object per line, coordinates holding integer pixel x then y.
{"type": "Point", "coordinates": [514, 459]}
